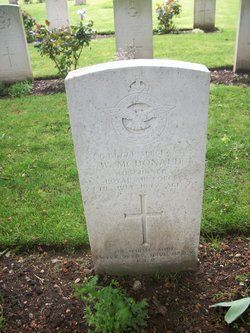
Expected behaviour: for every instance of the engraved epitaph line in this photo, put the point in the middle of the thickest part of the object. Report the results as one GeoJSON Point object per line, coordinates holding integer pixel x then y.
{"type": "Point", "coordinates": [143, 215]}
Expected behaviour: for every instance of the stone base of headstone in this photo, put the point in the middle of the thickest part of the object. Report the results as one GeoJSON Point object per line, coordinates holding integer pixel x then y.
{"type": "Point", "coordinates": [140, 150]}
{"type": "Point", "coordinates": [242, 50]}
{"type": "Point", "coordinates": [204, 14]}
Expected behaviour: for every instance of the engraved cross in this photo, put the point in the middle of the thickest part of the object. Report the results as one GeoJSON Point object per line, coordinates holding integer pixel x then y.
{"type": "Point", "coordinates": [143, 215]}
{"type": "Point", "coordinates": [8, 54]}
{"type": "Point", "coordinates": [136, 47]}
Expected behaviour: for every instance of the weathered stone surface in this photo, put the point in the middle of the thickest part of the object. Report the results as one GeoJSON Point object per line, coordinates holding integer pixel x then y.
{"type": "Point", "coordinates": [133, 28]}
{"type": "Point", "coordinates": [57, 12]}
{"type": "Point", "coordinates": [139, 130]}
{"type": "Point", "coordinates": [242, 53]}
{"type": "Point", "coordinates": [14, 57]}
{"type": "Point", "coordinates": [204, 14]}
{"type": "Point", "coordinates": [80, 2]}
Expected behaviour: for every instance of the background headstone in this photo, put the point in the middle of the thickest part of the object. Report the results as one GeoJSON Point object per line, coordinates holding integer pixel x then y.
{"type": "Point", "coordinates": [242, 51]}
{"type": "Point", "coordinates": [80, 2]}
{"type": "Point", "coordinates": [13, 2]}
{"type": "Point", "coordinates": [204, 14]}
{"type": "Point", "coordinates": [14, 56]}
{"type": "Point", "coordinates": [133, 28]}
{"type": "Point", "coordinates": [140, 151]}
{"type": "Point", "coordinates": [57, 12]}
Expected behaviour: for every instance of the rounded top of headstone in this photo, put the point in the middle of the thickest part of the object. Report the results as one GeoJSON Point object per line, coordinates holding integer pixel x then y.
{"type": "Point", "coordinates": [135, 63]}
{"type": "Point", "coordinates": [9, 6]}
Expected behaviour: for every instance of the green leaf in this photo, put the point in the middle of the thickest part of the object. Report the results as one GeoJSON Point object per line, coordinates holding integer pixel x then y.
{"type": "Point", "coordinates": [237, 308]}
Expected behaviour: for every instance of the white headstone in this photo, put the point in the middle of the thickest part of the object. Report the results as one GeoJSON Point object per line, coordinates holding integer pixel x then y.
{"type": "Point", "coordinates": [139, 130]}
{"type": "Point", "coordinates": [133, 28]}
{"type": "Point", "coordinates": [204, 14]}
{"type": "Point", "coordinates": [242, 53]}
{"type": "Point", "coordinates": [14, 56]}
{"type": "Point", "coordinates": [80, 2]}
{"type": "Point", "coordinates": [57, 12]}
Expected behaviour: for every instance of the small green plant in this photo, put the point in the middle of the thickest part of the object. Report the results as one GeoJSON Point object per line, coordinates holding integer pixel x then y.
{"type": "Point", "coordinates": [215, 243]}
{"type": "Point", "coordinates": [29, 24]}
{"type": "Point", "coordinates": [3, 88]}
{"type": "Point", "coordinates": [158, 276]}
{"type": "Point", "coordinates": [63, 46]}
{"type": "Point", "coordinates": [166, 12]}
{"type": "Point", "coordinates": [243, 278]}
{"type": "Point", "coordinates": [19, 89]}
{"type": "Point", "coordinates": [237, 308]}
{"type": "Point", "coordinates": [110, 310]}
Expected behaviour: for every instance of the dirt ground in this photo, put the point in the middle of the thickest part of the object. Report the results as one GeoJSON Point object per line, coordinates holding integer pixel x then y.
{"type": "Point", "coordinates": [36, 286]}
{"type": "Point", "coordinates": [37, 293]}
{"type": "Point", "coordinates": [228, 77]}
{"type": "Point", "coordinates": [222, 76]}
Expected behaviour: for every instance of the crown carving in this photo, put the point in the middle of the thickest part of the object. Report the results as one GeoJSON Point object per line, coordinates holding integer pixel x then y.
{"type": "Point", "coordinates": [137, 86]}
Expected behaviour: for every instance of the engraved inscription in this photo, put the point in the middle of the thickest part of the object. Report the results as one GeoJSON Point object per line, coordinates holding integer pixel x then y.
{"type": "Point", "coordinates": [150, 170]}
{"type": "Point", "coordinates": [8, 54]}
{"type": "Point", "coordinates": [146, 254]}
{"type": "Point", "coordinates": [143, 216]}
{"type": "Point", "coordinates": [205, 12]}
{"type": "Point", "coordinates": [139, 115]}
{"type": "Point", "coordinates": [4, 20]}
{"type": "Point", "coordinates": [132, 11]}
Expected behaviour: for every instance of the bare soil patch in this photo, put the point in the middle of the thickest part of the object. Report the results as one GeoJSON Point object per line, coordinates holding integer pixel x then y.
{"type": "Point", "coordinates": [228, 77]}
{"type": "Point", "coordinates": [37, 292]}
{"type": "Point", "coordinates": [222, 76]}
{"type": "Point", "coordinates": [46, 87]}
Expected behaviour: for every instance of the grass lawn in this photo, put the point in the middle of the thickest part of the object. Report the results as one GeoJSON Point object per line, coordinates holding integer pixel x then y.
{"type": "Point", "coordinates": [101, 12]}
{"type": "Point", "coordinates": [39, 189]}
{"type": "Point", "coordinates": [213, 49]}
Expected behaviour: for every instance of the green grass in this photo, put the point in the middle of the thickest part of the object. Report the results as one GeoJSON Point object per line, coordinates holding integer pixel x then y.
{"type": "Point", "coordinates": [39, 183]}
{"type": "Point", "coordinates": [212, 49]}
{"type": "Point", "coordinates": [226, 202]}
{"type": "Point", "coordinates": [101, 12]}
{"type": "Point", "coordinates": [39, 189]}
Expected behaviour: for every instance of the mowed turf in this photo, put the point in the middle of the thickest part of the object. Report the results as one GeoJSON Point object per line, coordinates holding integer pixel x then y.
{"type": "Point", "coordinates": [101, 12]}
{"type": "Point", "coordinates": [212, 49]}
{"type": "Point", "coordinates": [40, 195]}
